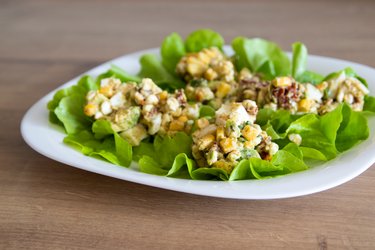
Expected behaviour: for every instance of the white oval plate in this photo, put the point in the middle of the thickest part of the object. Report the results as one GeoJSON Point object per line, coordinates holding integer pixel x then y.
{"type": "Point", "coordinates": [47, 140]}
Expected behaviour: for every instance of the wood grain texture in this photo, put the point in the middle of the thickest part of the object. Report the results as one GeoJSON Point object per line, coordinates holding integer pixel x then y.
{"type": "Point", "coordinates": [48, 205]}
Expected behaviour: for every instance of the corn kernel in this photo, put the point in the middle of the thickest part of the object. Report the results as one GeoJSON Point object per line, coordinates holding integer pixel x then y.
{"type": "Point", "coordinates": [199, 96]}
{"type": "Point", "coordinates": [206, 141]}
{"type": "Point", "coordinates": [210, 74]}
{"type": "Point", "coordinates": [90, 109]}
{"type": "Point", "coordinates": [284, 81]}
{"type": "Point", "coordinates": [163, 95]}
{"type": "Point", "coordinates": [195, 67]}
{"type": "Point", "coordinates": [212, 52]}
{"type": "Point", "coordinates": [202, 123]}
{"type": "Point", "coordinates": [204, 57]}
{"type": "Point", "coordinates": [249, 133]}
{"type": "Point", "coordinates": [305, 105]}
{"type": "Point", "coordinates": [223, 90]}
{"type": "Point", "coordinates": [322, 86]}
{"type": "Point", "coordinates": [106, 90]}
{"type": "Point", "coordinates": [176, 125]}
{"type": "Point", "coordinates": [227, 145]}
{"type": "Point", "coordinates": [183, 118]}
{"type": "Point", "coordinates": [220, 133]}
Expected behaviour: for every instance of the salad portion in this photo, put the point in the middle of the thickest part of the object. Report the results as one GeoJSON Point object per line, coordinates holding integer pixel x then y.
{"type": "Point", "coordinates": [202, 114]}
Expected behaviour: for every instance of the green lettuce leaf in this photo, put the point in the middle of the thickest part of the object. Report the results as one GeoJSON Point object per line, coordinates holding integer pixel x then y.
{"type": "Point", "coordinates": [67, 106]}
{"type": "Point", "coordinates": [168, 147]}
{"type": "Point", "coordinates": [312, 153]}
{"type": "Point", "coordinates": [319, 132]}
{"type": "Point", "coordinates": [369, 104]}
{"type": "Point", "coordinates": [253, 168]}
{"type": "Point", "coordinates": [203, 38]}
{"type": "Point", "coordinates": [151, 67]}
{"type": "Point", "coordinates": [144, 148]}
{"type": "Point", "coordinates": [118, 73]}
{"type": "Point", "coordinates": [164, 149]}
{"type": "Point", "coordinates": [279, 120]}
{"type": "Point", "coordinates": [182, 167]}
{"type": "Point", "coordinates": [299, 59]}
{"type": "Point", "coordinates": [288, 162]}
{"type": "Point", "coordinates": [349, 72]}
{"type": "Point", "coordinates": [285, 161]}
{"type": "Point", "coordinates": [310, 77]}
{"type": "Point", "coordinates": [70, 113]}
{"type": "Point", "coordinates": [113, 149]}
{"type": "Point", "coordinates": [149, 165]}
{"type": "Point", "coordinates": [210, 174]}
{"type": "Point", "coordinates": [353, 129]}
{"type": "Point", "coordinates": [102, 128]}
{"type": "Point", "coordinates": [260, 56]}
{"type": "Point", "coordinates": [79, 91]}
{"type": "Point", "coordinates": [172, 49]}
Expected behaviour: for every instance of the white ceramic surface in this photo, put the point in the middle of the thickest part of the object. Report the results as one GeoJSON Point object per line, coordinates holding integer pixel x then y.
{"type": "Point", "coordinates": [47, 140]}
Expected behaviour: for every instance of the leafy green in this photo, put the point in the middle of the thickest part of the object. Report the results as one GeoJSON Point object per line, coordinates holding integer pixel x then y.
{"type": "Point", "coordinates": [172, 49]}
{"type": "Point", "coordinates": [285, 161]}
{"type": "Point", "coordinates": [312, 153]}
{"type": "Point", "coordinates": [182, 166]}
{"type": "Point", "coordinates": [101, 129]}
{"type": "Point", "coordinates": [294, 150]}
{"type": "Point", "coordinates": [118, 73]}
{"type": "Point", "coordinates": [152, 67]}
{"type": "Point", "coordinates": [70, 113]}
{"type": "Point", "coordinates": [349, 72]}
{"type": "Point", "coordinates": [253, 168]}
{"type": "Point", "coordinates": [84, 84]}
{"type": "Point", "coordinates": [299, 59]}
{"type": "Point", "coordinates": [369, 104]}
{"type": "Point", "coordinates": [144, 148]}
{"type": "Point", "coordinates": [260, 56]}
{"type": "Point", "coordinates": [79, 92]}
{"type": "Point", "coordinates": [279, 120]}
{"type": "Point", "coordinates": [242, 171]}
{"type": "Point", "coordinates": [299, 63]}
{"type": "Point", "coordinates": [323, 137]}
{"type": "Point", "coordinates": [310, 77]}
{"type": "Point", "coordinates": [289, 162]}
{"type": "Point", "coordinates": [168, 147]}
{"type": "Point", "coordinates": [203, 38]}
{"type": "Point", "coordinates": [149, 165]}
{"type": "Point", "coordinates": [353, 129]}
{"type": "Point", "coordinates": [113, 149]}
{"type": "Point", "coordinates": [318, 132]}
{"type": "Point", "coordinates": [210, 174]}
{"type": "Point", "coordinates": [67, 105]}
{"type": "Point", "coordinates": [164, 149]}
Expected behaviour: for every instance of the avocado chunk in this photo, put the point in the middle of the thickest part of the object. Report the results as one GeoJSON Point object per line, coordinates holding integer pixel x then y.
{"type": "Point", "coordinates": [126, 118]}
{"type": "Point", "coordinates": [135, 135]}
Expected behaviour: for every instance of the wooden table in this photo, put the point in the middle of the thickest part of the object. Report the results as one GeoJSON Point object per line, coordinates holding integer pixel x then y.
{"type": "Point", "coordinates": [48, 205]}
